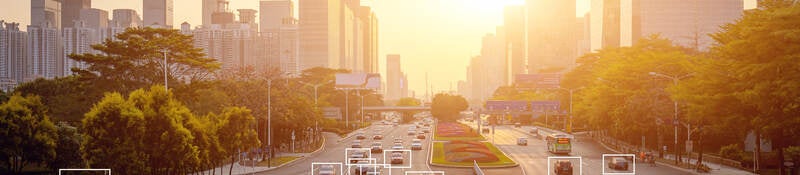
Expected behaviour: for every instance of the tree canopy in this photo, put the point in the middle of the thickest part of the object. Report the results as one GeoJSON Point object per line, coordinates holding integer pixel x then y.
{"type": "Point", "coordinates": [28, 136]}
{"type": "Point", "coordinates": [447, 107]}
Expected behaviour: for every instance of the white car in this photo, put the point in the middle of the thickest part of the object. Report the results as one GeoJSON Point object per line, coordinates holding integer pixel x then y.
{"type": "Point", "coordinates": [326, 170]}
{"type": "Point", "coordinates": [416, 144]}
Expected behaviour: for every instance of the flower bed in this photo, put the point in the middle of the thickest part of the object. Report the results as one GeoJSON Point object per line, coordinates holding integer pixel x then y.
{"type": "Point", "coordinates": [463, 153]}
{"type": "Point", "coordinates": [455, 131]}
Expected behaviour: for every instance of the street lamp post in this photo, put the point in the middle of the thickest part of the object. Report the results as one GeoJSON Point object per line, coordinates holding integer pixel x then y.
{"type": "Point", "coordinates": [569, 127]}
{"type": "Point", "coordinates": [675, 122]}
{"type": "Point", "coordinates": [165, 70]}
{"type": "Point", "coordinates": [316, 86]}
{"type": "Point", "coordinates": [269, 122]}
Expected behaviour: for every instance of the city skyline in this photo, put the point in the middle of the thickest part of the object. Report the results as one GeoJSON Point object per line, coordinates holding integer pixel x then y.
{"type": "Point", "coordinates": [455, 32]}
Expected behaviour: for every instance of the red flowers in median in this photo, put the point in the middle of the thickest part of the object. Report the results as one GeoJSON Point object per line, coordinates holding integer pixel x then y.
{"type": "Point", "coordinates": [452, 129]}
{"type": "Point", "coordinates": [467, 151]}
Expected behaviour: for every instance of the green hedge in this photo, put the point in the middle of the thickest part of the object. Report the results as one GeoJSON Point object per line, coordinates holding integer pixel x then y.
{"type": "Point", "coordinates": [439, 157]}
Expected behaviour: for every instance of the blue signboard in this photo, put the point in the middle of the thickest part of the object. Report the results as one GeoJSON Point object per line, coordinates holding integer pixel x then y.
{"type": "Point", "coordinates": [541, 106]}
{"type": "Point", "coordinates": [505, 105]}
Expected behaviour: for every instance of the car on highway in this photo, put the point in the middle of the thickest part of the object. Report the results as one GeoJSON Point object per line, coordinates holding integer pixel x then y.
{"type": "Point", "coordinates": [376, 147]}
{"type": "Point", "coordinates": [421, 136]}
{"type": "Point", "coordinates": [522, 141]}
{"type": "Point", "coordinates": [367, 170]}
{"type": "Point", "coordinates": [618, 163]}
{"type": "Point", "coordinates": [517, 125]}
{"type": "Point", "coordinates": [534, 131]}
{"type": "Point", "coordinates": [356, 144]}
{"type": "Point", "coordinates": [416, 144]}
{"type": "Point", "coordinates": [426, 129]}
{"type": "Point", "coordinates": [377, 137]}
{"type": "Point", "coordinates": [326, 170]}
{"type": "Point", "coordinates": [485, 130]}
{"type": "Point", "coordinates": [398, 140]}
{"type": "Point", "coordinates": [397, 146]}
{"type": "Point", "coordinates": [397, 158]}
{"type": "Point", "coordinates": [412, 132]}
{"type": "Point", "coordinates": [562, 167]}
{"type": "Point", "coordinates": [357, 154]}
{"type": "Point", "coordinates": [360, 136]}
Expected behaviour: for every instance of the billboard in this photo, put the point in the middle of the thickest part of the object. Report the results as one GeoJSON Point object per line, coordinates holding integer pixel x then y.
{"type": "Point", "coordinates": [506, 105]}
{"type": "Point", "coordinates": [538, 81]}
{"type": "Point", "coordinates": [541, 106]}
{"type": "Point", "coordinates": [358, 81]}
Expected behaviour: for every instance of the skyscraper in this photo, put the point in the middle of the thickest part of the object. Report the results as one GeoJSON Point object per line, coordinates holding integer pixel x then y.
{"type": "Point", "coordinates": [550, 34]}
{"type": "Point", "coordinates": [46, 13]}
{"type": "Point", "coordinates": [209, 7]}
{"type": "Point", "coordinates": [126, 18]}
{"type": "Point", "coordinates": [273, 13]}
{"type": "Point", "coordinates": [77, 39]}
{"type": "Point", "coordinates": [394, 77]}
{"type": "Point", "coordinates": [370, 39]}
{"type": "Point", "coordinates": [157, 13]}
{"type": "Point", "coordinates": [94, 18]}
{"type": "Point", "coordinates": [44, 53]}
{"type": "Point", "coordinates": [12, 55]}
{"type": "Point", "coordinates": [71, 11]}
{"type": "Point", "coordinates": [320, 33]}
{"type": "Point", "coordinates": [514, 23]}
{"type": "Point", "coordinates": [279, 34]}
{"type": "Point", "coordinates": [493, 59]}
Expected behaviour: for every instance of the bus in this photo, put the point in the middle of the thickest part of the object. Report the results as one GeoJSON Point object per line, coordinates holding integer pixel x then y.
{"type": "Point", "coordinates": [559, 143]}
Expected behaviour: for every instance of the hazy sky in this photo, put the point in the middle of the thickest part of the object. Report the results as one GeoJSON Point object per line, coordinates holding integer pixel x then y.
{"type": "Point", "coordinates": [434, 36]}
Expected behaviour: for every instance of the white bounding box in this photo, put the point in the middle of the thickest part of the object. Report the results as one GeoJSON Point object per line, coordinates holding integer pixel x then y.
{"type": "Point", "coordinates": [347, 154]}
{"type": "Point", "coordinates": [390, 166]}
{"type": "Point", "coordinates": [79, 170]}
{"type": "Point", "coordinates": [580, 163]}
{"type": "Point", "coordinates": [341, 167]}
{"type": "Point", "coordinates": [619, 155]}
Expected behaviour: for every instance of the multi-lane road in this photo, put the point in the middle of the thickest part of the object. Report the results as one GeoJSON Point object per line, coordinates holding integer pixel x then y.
{"type": "Point", "coordinates": [533, 158]}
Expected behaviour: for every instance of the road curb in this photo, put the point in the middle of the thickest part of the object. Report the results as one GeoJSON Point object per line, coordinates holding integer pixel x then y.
{"type": "Point", "coordinates": [322, 147]}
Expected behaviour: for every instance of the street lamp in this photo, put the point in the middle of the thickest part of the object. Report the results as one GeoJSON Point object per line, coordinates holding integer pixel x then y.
{"type": "Point", "coordinates": [316, 86]}
{"type": "Point", "coordinates": [569, 127]}
{"type": "Point", "coordinates": [165, 69]}
{"type": "Point", "coordinates": [269, 122]}
{"type": "Point", "coordinates": [675, 122]}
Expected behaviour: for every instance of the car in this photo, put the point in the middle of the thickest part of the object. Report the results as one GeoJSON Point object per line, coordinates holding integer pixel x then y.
{"type": "Point", "coordinates": [397, 146]}
{"type": "Point", "coordinates": [562, 167]}
{"type": "Point", "coordinates": [618, 163]}
{"type": "Point", "coordinates": [326, 170]}
{"type": "Point", "coordinates": [517, 125]}
{"type": "Point", "coordinates": [426, 125]}
{"type": "Point", "coordinates": [534, 131]}
{"type": "Point", "coordinates": [367, 170]}
{"type": "Point", "coordinates": [426, 130]}
{"type": "Point", "coordinates": [356, 144]}
{"type": "Point", "coordinates": [421, 136]}
{"type": "Point", "coordinates": [360, 136]}
{"type": "Point", "coordinates": [485, 130]}
{"type": "Point", "coordinates": [522, 141]}
{"type": "Point", "coordinates": [376, 147]}
{"type": "Point", "coordinates": [358, 154]}
{"type": "Point", "coordinates": [412, 132]}
{"type": "Point", "coordinates": [377, 137]}
{"type": "Point", "coordinates": [397, 158]}
{"type": "Point", "coordinates": [416, 144]}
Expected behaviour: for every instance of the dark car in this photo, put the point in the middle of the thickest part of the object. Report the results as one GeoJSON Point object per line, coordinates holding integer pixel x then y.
{"type": "Point", "coordinates": [366, 170]}
{"type": "Point", "coordinates": [618, 163]}
{"type": "Point", "coordinates": [421, 136]}
{"type": "Point", "coordinates": [360, 136]}
{"type": "Point", "coordinates": [397, 158]}
{"type": "Point", "coordinates": [377, 137]}
{"type": "Point", "coordinates": [357, 154]}
{"type": "Point", "coordinates": [376, 147]}
{"type": "Point", "coordinates": [562, 167]}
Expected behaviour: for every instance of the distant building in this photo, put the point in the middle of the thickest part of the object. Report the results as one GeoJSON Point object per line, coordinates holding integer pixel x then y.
{"type": "Point", "coordinates": [94, 18]}
{"type": "Point", "coordinates": [71, 11]}
{"type": "Point", "coordinates": [77, 39]}
{"type": "Point", "coordinates": [46, 13]}
{"type": "Point", "coordinates": [209, 7]}
{"type": "Point", "coordinates": [125, 18]}
{"type": "Point", "coordinates": [12, 55]}
{"type": "Point", "coordinates": [394, 78]}
{"type": "Point", "coordinates": [370, 39]}
{"type": "Point", "coordinates": [493, 60]}
{"type": "Point", "coordinates": [233, 44]}
{"type": "Point", "coordinates": [620, 23]}
{"type": "Point", "coordinates": [279, 35]}
{"type": "Point", "coordinates": [44, 53]}
{"type": "Point", "coordinates": [514, 25]}
{"type": "Point", "coordinates": [320, 33]}
{"type": "Point", "coordinates": [158, 13]}
{"type": "Point", "coordinates": [550, 34]}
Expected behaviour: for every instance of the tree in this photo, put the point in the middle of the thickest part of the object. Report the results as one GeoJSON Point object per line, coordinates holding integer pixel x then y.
{"type": "Point", "coordinates": [69, 140]}
{"type": "Point", "coordinates": [233, 133]}
{"type": "Point", "coordinates": [752, 81]}
{"type": "Point", "coordinates": [67, 98]}
{"type": "Point", "coordinates": [135, 60]}
{"type": "Point", "coordinates": [114, 130]}
{"type": "Point", "coordinates": [408, 101]}
{"type": "Point", "coordinates": [447, 107]}
{"type": "Point", "coordinates": [28, 135]}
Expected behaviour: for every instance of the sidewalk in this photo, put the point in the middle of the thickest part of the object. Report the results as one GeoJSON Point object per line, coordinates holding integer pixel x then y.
{"type": "Point", "coordinates": [239, 169]}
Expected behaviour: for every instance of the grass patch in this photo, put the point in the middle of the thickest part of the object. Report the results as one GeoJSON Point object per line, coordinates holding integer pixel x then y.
{"type": "Point", "coordinates": [439, 158]}
{"type": "Point", "coordinates": [277, 161]}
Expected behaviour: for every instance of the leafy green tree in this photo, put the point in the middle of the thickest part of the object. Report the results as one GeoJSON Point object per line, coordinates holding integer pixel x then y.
{"type": "Point", "coordinates": [67, 98]}
{"type": "Point", "coordinates": [233, 134]}
{"type": "Point", "coordinates": [67, 156]}
{"type": "Point", "coordinates": [114, 130]}
{"type": "Point", "coordinates": [751, 81]}
{"type": "Point", "coordinates": [408, 101]}
{"type": "Point", "coordinates": [28, 135]}
{"type": "Point", "coordinates": [135, 60]}
{"type": "Point", "coordinates": [447, 107]}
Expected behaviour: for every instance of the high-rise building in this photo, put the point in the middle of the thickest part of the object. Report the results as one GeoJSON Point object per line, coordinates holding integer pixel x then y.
{"type": "Point", "coordinates": [279, 35]}
{"type": "Point", "coordinates": [125, 18]}
{"type": "Point", "coordinates": [404, 86]}
{"type": "Point", "coordinates": [550, 34]}
{"type": "Point", "coordinates": [12, 55]}
{"type": "Point", "coordinates": [71, 11]}
{"type": "Point", "coordinates": [370, 39]}
{"type": "Point", "coordinates": [46, 13]}
{"type": "Point", "coordinates": [157, 13]}
{"type": "Point", "coordinates": [274, 12]}
{"type": "Point", "coordinates": [78, 39]}
{"type": "Point", "coordinates": [233, 44]}
{"type": "Point", "coordinates": [514, 23]}
{"type": "Point", "coordinates": [619, 23]}
{"type": "Point", "coordinates": [94, 18]}
{"type": "Point", "coordinates": [321, 33]}
{"type": "Point", "coordinates": [44, 53]}
{"type": "Point", "coordinates": [289, 47]}
{"type": "Point", "coordinates": [209, 7]}
{"type": "Point", "coordinates": [394, 76]}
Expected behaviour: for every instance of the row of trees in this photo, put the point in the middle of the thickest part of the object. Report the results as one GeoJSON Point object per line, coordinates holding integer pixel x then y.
{"type": "Point", "coordinates": [746, 82]}
{"type": "Point", "coordinates": [205, 117]}
{"type": "Point", "coordinates": [448, 107]}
